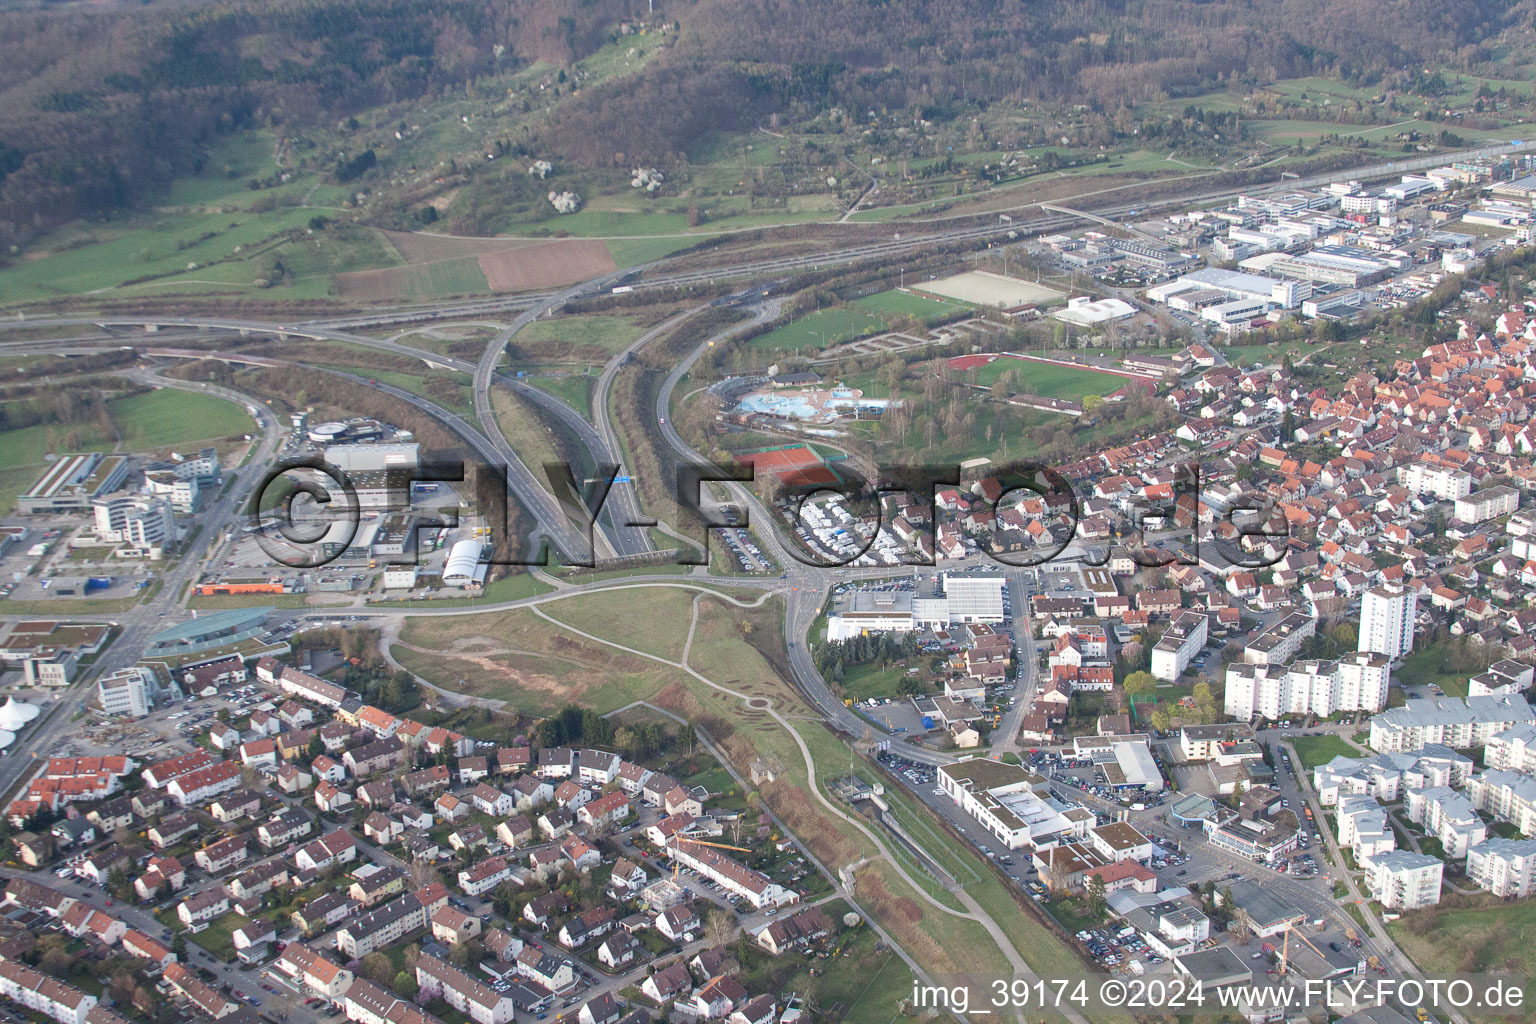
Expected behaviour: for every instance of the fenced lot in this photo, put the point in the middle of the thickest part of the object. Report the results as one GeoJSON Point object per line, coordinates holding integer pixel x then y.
{"type": "Point", "coordinates": [984, 288]}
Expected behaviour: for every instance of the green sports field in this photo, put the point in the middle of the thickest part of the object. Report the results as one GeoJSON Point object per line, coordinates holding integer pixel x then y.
{"type": "Point", "coordinates": [867, 315]}
{"type": "Point", "coordinates": [1048, 381]}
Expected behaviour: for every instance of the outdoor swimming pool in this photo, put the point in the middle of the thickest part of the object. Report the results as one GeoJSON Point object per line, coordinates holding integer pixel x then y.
{"type": "Point", "coordinates": [809, 406]}
{"type": "Point", "coordinates": [794, 407]}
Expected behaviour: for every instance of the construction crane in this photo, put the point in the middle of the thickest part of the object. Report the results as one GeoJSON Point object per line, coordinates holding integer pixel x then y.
{"type": "Point", "coordinates": [1285, 949]}
{"type": "Point", "coordinates": [699, 842]}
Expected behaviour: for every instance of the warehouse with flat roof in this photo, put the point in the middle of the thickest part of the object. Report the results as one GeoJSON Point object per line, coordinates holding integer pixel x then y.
{"type": "Point", "coordinates": [72, 482]}
{"type": "Point", "coordinates": [207, 632]}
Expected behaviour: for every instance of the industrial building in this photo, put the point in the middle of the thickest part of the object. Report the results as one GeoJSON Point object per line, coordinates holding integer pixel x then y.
{"type": "Point", "coordinates": [954, 598]}
{"type": "Point", "coordinates": [72, 482]}
{"type": "Point", "coordinates": [208, 632]}
{"type": "Point", "coordinates": [1086, 312]}
{"type": "Point", "coordinates": [1231, 284]}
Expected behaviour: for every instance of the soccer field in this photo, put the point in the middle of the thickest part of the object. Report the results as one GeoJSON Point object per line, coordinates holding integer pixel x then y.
{"type": "Point", "coordinates": [1050, 381]}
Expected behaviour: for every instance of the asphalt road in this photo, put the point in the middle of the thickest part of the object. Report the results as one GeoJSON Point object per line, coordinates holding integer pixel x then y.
{"type": "Point", "coordinates": [142, 621]}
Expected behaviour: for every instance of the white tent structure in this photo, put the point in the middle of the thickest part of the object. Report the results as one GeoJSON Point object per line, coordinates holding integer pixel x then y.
{"type": "Point", "coordinates": [16, 714]}
{"type": "Point", "coordinates": [463, 568]}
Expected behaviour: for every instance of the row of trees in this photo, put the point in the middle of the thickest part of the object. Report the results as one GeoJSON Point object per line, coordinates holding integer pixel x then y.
{"type": "Point", "coordinates": [574, 724]}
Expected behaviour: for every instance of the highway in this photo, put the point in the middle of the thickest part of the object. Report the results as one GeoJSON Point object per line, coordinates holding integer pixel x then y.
{"type": "Point", "coordinates": [490, 445]}
{"type": "Point", "coordinates": [572, 547]}
{"type": "Point", "coordinates": [802, 587]}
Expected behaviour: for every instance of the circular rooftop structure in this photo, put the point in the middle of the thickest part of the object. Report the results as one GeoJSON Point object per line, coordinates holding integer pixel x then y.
{"type": "Point", "coordinates": [324, 433]}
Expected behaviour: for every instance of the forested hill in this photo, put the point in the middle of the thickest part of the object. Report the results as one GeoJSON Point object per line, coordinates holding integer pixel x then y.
{"type": "Point", "coordinates": [797, 55]}
{"type": "Point", "coordinates": [99, 109]}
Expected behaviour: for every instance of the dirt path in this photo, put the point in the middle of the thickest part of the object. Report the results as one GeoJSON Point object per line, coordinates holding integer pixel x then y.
{"type": "Point", "coordinates": [973, 912]}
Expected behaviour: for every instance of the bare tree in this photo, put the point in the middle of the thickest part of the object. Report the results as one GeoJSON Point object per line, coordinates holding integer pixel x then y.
{"type": "Point", "coordinates": [719, 928]}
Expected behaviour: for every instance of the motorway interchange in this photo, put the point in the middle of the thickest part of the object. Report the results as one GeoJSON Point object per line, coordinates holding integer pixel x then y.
{"type": "Point", "coordinates": [803, 588]}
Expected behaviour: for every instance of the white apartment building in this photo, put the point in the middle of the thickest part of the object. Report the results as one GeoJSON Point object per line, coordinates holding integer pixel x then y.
{"type": "Point", "coordinates": [1442, 482]}
{"type": "Point", "coordinates": [1449, 817]}
{"type": "Point", "coordinates": [129, 691]}
{"type": "Point", "coordinates": [1505, 867]}
{"type": "Point", "coordinates": [382, 926]}
{"type": "Point", "coordinates": [1363, 827]}
{"type": "Point", "coordinates": [1488, 503]}
{"type": "Point", "coordinates": [1450, 721]}
{"type": "Point", "coordinates": [64, 1003]}
{"type": "Point", "coordinates": [1180, 642]}
{"type": "Point", "coordinates": [1506, 795]}
{"type": "Point", "coordinates": [753, 886]}
{"type": "Point", "coordinates": [1404, 880]}
{"type": "Point", "coordinates": [1503, 677]}
{"type": "Point", "coordinates": [470, 996]}
{"type": "Point", "coordinates": [1357, 682]}
{"type": "Point", "coordinates": [1386, 620]}
{"type": "Point", "coordinates": [1385, 776]}
{"type": "Point", "coordinates": [1513, 750]}
{"type": "Point", "coordinates": [1280, 641]}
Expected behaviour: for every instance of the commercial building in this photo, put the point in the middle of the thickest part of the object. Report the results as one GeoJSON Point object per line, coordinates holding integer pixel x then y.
{"type": "Point", "coordinates": [1259, 841]}
{"type": "Point", "coordinates": [371, 458]}
{"type": "Point", "coordinates": [1231, 284]}
{"type": "Point", "coordinates": [130, 691]}
{"type": "Point", "coordinates": [954, 598]}
{"type": "Point", "coordinates": [465, 566]}
{"type": "Point", "coordinates": [1010, 802]}
{"type": "Point", "coordinates": [72, 482]}
{"type": "Point", "coordinates": [1333, 264]}
{"type": "Point", "coordinates": [1404, 880]}
{"type": "Point", "coordinates": [1086, 312]}
{"type": "Point", "coordinates": [207, 632]}
{"type": "Point", "coordinates": [142, 522]}
{"type": "Point", "coordinates": [1386, 620]}
{"type": "Point", "coordinates": [859, 612]}
{"type": "Point", "coordinates": [973, 597]}
{"type": "Point", "coordinates": [1180, 642]}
